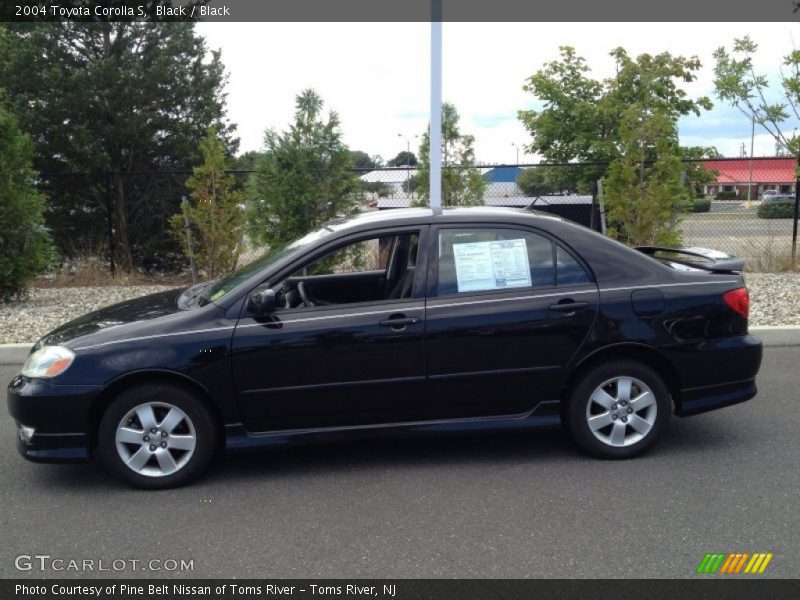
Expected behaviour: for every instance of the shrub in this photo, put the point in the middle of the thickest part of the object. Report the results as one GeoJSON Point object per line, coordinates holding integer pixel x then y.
{"type": "Point", "coordinates": [378, 188]}
{"type": "Point", "coordinates": [25, 246]}
{"type": "Point", "coordinates": [215, 215]}
{"type": "Point", "coordinates": [534, 182]}
{"type": "Point", "coordinates": [701, 205]}
{"type": "Point", "coordinates": [727, 196]}
{"type": "Point", "coordinates": [780, 209]}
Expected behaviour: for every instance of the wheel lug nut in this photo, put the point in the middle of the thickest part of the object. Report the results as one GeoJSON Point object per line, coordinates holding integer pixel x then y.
{"type": "Point", "coordinates": [614, 407]}
{"type": "Point", "coordinates": [153, 430]}
{"type": "Point", "coordinates": [147, 438]}
{"type": "Point", "coordinates": [624, 419]}
{"type": "Point", "coordinates": [614, 416]}
{"type": "Point", "coordinates": [630, 410]}
{"type": "Point", "coordinates": [163, 444]}
{"type": "Point", "coordinates": [152, 448]}
{"type": "Point", "coordinates": [163, 434]}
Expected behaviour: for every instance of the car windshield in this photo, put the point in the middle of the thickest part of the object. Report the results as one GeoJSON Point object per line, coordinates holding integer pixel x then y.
{"type": "Point", "coordinates": [214, 290]}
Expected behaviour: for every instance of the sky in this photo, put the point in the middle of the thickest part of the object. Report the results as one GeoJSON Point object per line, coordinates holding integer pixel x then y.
{"type": "Point", "coordinates": [376, 76]}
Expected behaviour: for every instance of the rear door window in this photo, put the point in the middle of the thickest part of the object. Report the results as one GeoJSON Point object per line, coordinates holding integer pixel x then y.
{"type": "Point", "coordinates": [569, 270]}
{"type": "Point", "coordinates": [485, 259]}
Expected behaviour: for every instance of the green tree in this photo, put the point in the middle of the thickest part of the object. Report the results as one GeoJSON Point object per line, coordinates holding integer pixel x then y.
{"type": "Point", "coordinates": [25, 248]}
{"type": "Point", "coordinates": [215, 215]}
{"type": "Point", "coordinates": [570, 126]}
{"type": "Point", "coordinates": [696, 173]}
{"type": "Point", "coordinates": [403, 159]}
{"type": "Point", "coordinates": [246, 161]}
{"type": "Point", "coordinates": [462, 183]}
{"type": "Point", "coordinates": [304, 178]}
{"type": "Point", "coordinates": [581, 118]}
{"type": "Point", "coordinates": [113, 97]}
{"type": "Point", "coordinates": [737, 83]}
{"type": "Point", "coordinates": [644, 193]}
{"type": "Point", "coordinates": [627, 126]}
{"type": "Point", "coordinates": [362, 160]}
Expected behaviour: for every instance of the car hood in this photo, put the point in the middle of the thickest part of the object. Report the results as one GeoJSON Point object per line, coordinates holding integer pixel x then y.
{"type": "Point", "coordinates": [118, 316]}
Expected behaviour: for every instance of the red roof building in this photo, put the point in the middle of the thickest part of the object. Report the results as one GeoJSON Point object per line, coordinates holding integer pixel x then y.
{"type": "Point", "coordinates": [767, 174]}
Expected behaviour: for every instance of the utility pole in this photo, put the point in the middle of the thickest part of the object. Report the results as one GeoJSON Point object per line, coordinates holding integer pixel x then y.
{"type": "Point", "coordinates": [750, 178]}
{"type": "Point", "coordinates": [408, 163]}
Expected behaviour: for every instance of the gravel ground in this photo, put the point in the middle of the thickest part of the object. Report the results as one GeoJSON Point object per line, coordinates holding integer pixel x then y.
{"type": "Point", "coordinates": [47, 308]}
{"type": "Point", "coordinates": [775, 300]}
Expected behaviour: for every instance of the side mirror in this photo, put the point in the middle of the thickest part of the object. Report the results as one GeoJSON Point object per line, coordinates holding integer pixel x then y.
{"type": "Point", "coordinates": [262, 302]}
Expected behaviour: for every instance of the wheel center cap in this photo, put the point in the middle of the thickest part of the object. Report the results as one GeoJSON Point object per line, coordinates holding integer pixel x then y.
{"type": "Point", "coordinates": [155, 438]}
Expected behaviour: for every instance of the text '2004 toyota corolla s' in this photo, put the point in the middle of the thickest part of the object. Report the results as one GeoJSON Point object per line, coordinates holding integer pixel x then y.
{"type": "Point", "coordinates": [407, 320]}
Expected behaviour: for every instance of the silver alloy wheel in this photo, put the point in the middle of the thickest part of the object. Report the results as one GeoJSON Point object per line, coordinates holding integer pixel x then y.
{"type": "Point", "coordinates": [621, 411]}
{"type": "Point", "coordinates": [155, 439]}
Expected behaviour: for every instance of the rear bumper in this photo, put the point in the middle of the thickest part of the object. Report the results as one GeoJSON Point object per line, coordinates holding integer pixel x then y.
{"type": "Point", "coordinates": [702, 400]}
{"type": "Point", "coordinates": [717, 373]}
{"type": "Point", "coordinates": [52, 420]}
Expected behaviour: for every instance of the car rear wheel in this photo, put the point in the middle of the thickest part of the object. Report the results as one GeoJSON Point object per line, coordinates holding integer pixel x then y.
{"type": "Point", "coordinates": [618, 409]}
{"type": "Point", "coordinates": [157, 436]}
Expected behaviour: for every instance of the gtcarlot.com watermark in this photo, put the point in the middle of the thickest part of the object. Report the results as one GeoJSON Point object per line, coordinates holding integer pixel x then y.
{"type": "Point", "coordinates": [46, 562]}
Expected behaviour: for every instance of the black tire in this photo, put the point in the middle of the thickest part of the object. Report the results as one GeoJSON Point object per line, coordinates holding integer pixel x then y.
{"type": "Point", "coordinates": [196, 421]}
{"type": "Point", "coordinates": [580, 407]}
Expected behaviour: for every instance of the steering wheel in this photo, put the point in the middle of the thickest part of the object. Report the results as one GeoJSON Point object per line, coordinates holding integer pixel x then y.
{"type": "Point", "coordinates": [301, 288]}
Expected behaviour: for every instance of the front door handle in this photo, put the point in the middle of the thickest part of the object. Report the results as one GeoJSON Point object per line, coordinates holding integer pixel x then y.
{"type": "Point", "coordinates": [398, 323]}
{"type": "Point", "coordinates": [569, 308]}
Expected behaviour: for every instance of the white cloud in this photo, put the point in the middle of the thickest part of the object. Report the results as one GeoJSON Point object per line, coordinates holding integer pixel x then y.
{"type": "Point", "coordinates": [376, 74]}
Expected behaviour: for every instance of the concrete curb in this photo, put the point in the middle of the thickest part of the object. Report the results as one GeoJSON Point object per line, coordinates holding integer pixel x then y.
{"type": "Point", "coordinates": [14, 354]}
{"type": "Point", "coordinates": [776, 337]}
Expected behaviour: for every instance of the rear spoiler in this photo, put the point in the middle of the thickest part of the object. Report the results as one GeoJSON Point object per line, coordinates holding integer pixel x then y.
{"type": "Point", "coordinates": [697, 258]}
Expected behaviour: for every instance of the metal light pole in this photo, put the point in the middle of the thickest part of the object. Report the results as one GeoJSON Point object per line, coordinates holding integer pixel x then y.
{"type": "Point", "coordinates": [517, 149]}
{"type": "Point", "coordinates": [435, 150]}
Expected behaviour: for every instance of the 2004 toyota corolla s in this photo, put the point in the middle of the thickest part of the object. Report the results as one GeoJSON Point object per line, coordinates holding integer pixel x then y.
{"type": "Point", "coordinates": [407, 320]}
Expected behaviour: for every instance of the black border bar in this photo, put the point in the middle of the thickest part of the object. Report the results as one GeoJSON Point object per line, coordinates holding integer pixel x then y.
{"type": "Point", "coordinates": [701, 587]}
{"type": "Point", "coordinates": [599, 11]}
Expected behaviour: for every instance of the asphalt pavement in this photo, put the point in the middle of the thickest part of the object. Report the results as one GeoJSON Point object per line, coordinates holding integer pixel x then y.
{"type": "Point", "coordinates": [522, 505]}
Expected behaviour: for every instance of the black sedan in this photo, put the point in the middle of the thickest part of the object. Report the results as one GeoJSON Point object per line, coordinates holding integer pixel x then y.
{"type": "Point", "coordinates": [408, 320]}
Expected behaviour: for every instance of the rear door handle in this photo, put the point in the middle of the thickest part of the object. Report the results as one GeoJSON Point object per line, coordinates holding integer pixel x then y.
{"type": "Point", "coordinates": [569, 307]}
{"type": "Point", "coordinates": [399, 323]}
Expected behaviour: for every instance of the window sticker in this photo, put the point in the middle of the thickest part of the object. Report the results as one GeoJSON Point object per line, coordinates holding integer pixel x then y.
{"type": "Point", "coordinates": [491, 265]}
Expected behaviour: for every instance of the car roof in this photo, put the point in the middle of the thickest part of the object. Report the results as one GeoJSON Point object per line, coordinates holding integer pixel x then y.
{"type": "Point", "coordinates": [415, 216]}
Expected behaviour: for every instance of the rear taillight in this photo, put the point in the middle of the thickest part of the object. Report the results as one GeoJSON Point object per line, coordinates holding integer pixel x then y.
{"type": "Point", "coordinates": [739, 301]}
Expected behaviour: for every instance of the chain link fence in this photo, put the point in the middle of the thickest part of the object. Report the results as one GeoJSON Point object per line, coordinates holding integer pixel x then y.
{"type": "Point", "coordinates": [739, 206]}
{"type": "Point", "coordinates": [748, 209]}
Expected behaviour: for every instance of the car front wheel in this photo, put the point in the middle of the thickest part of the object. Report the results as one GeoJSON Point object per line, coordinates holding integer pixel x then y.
{"type": "Point", "coordinates": [157, 436]}
{"type": "Point", "coordinates": [618, 409]}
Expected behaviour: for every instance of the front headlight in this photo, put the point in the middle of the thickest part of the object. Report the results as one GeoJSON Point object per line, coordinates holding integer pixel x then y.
{"type": "Point", "coordinates": [48, 361]}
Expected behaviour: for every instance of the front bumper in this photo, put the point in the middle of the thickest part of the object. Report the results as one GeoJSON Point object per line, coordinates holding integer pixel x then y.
{"type": "Point", "coordinates": [59, 415]}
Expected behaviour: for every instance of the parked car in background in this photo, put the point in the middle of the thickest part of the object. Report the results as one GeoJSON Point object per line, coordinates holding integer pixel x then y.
{"type": "Point", "coordinates": [406, 320]}
{"type": "Point", "coordinates": [769, 194]}
{"type": "Point", "coordinates": [778, 198]}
